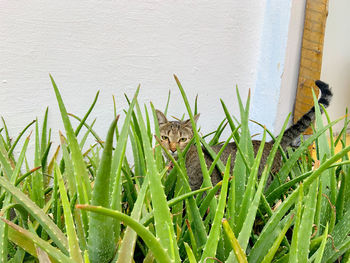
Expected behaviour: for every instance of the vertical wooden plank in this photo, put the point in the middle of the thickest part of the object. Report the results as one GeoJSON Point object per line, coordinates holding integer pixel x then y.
{"type": "Point", "coordinates": [316, 12]}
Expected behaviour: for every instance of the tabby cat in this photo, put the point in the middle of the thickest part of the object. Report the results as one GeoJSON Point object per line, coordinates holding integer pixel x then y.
{"type": "Point", "coordinates": [179, 133]}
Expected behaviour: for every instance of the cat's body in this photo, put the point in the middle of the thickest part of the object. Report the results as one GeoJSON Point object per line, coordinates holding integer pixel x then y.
{"type": "Point", "coordinates": [194, 171]}
{"type": "Point", "coordinates": [178, 134]}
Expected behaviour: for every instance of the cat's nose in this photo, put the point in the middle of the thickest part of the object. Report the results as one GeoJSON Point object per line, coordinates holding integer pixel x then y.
{"type": "Point", "coordinates": [172, 147]}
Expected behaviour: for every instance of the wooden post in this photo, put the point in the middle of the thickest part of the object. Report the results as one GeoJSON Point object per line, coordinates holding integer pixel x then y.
{"type": "Point", "coordinates": [316, 12]}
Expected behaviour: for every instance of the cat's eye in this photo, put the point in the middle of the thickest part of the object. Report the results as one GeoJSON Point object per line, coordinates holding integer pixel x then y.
{"type": "Point", "coordinates": [183, 140]}
{"type": "Point", "coordinates": [164, 138]}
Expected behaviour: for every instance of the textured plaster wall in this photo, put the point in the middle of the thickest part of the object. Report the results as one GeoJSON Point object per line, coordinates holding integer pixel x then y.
{"type": "Point", "coordinates": [113, 46]}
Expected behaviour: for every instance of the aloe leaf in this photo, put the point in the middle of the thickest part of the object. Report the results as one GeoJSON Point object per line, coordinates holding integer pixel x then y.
{"type": "Point", "coordinates": [240, 167]}
{"type": "Point", "coordinates": [328, 178]}
{"type": "Point", "coordinates": [214, 235]}
{"type": "Point", "coordinates": [89, 128]}
{"type": "Point", "coordinates": [87, 133]}
{"type": "Point", "coordinates": [56, 207]}
{"type": "Point", "coordinates": [162, 215]}
{"type": "Point", "coordinates": [317, 219]}
{"type": "Point", "coordinates": [8, 139]}
{"type": "Point", "coordinates": [158, 150]}
{"type": "Point", "coordinates": [22, 241]}
{"type": "Point", "coordinates": [333, 179]}
{"type": "Point", "coordinates": [7, 201]}
{"type": "Point", "coordinates": [237, 249]}
{"type": "Point", "coordinates": [167, 103]}
{"type": "Point", "coordinates": [216, 156]}
{"type": "Point", "coordinates": [271, 159]}
{"type": "Point", "coordinates": [230, 121]}
{"type": "Point", "coordinates": [101, 237]}
{"type": "Point", "coordinates": [126, 251]}
{"type": "Point", "coordinates": [73, 243]}
{"type": "Point", "coordinates": [206, 201]}
{"type": "Point", "coordinates": [340, 203]}
{"type": "Point", "coordinates": [140, 167]}
{"type": "Point", "coordinates": [206, 177]}
{"type": "Point", "coordinates": [339, 250]}
{"type": "Point", "coordinates": [272, 251]}
{"type": "Point", "coordinates": [217, 133]}
{"type": "Point", "coordinates": [204, 169]}
{"type": "Point", "coordinates": [148, 217]}
{"type": "Point", "coordinates": [80, 228]}
{"type": "Point", "coordinates": [19, 137]}
{"type": "Point", "coordinates": [82, 177]}
{"type": "Point", "coordinates": [115, 114]}
{"type": "Point", "coordinates": [82, 122]}
{"type": "Point", "coordinates": [43, 162]}
{"type": "Point", "coordinates": [276, 194]}
{"type": "Point", "coordinates": [190, 255]}
{"type": "Point", "coordinates": [117, 162]}
{"type": "Point", "coordinates": [244, 234]}
{"type": "Point", "coordinates": [293, 254]}
{"type": "Point", "coordinates": [307, 222]}
{"type": "Point", "coordinates": [287, 166]}
{"type": "Point", "coordinates": [129, 185]}
{"type": "Point", "coordinates": [194, 249]}
{"type": "Point", "coordinates": [250, 188]}
{"type": "Point", "coordinates": [44, 133]}
{"type": "Point", "coordinates": [45, 221]}
{"type": "Point", "coordinates": [339, 236]}
{"type": "Point", "coordinates": [322, 142]}
{"type": "Point", "coordinates": [69, 169]}
{"type": "Point", "coordinates": [5, 161]}
{"type": "Point", "coordinates": [148, 124]}
{"type": "Point", "coordinates": [19, 163]}
{"type": "Point", "coordinates": [199, 228]}
{"type": "Point", "coordinates": [42, 255]}
{"type": "Point", "coordinates": [44, 245]}
{"type": "Point", "coordinates": [320, 251]}
{"type": "Point", "coordinates": [19, 180]}
{"type": "Point", "coordinates": [343, 194]}
{"type": "Point", "coordinates": [53, 160]}
{"type": "Point", "coordinates": [177, 210]}
{"type": "Point", "coordinates": [325, 165]}
{"type": "Point", "coordinates": [264, 240]}
{"type": "Point", "coordinates": [151, 241]}
{"type": "Point", "coordinates": [37, 194]}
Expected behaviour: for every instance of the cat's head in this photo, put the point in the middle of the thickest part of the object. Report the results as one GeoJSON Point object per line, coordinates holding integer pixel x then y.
{"type": "Point", "coordinates": [174, 134]}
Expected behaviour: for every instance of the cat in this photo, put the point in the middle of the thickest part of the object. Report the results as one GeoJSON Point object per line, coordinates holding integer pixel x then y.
{"type": "Point", "coordinates": [179, 133]}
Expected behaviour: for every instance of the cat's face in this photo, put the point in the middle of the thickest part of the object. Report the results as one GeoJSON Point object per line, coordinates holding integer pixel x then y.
{"type": "Point", "coordinates": [174, 134]}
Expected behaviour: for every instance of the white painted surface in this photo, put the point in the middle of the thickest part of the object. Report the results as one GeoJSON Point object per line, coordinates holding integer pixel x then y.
{"type": "Point", "coordinates": [336, 57]}
{"type": "Point", "coordinates": [271, 63]}
{"type": "Point", "coordinates": [289, 77]}
{"type": "Point", "coordinates": [278, 66]}
{"type": "Point", "coordinates": [113, 46]}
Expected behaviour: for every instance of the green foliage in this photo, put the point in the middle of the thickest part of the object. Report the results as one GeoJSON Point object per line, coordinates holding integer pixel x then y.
{"type": "Point", "coordinates": [90, 204]}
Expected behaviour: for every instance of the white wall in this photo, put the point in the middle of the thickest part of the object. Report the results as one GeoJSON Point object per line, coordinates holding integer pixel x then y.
{"type": "Point", "coordinates": [289, 77]}
{"type": "Point", "coordinates": [113, 46]}
{"type": "Point", "coordinates": [336, 57]}
{"type": "Point", "coordinates": [278, 63]}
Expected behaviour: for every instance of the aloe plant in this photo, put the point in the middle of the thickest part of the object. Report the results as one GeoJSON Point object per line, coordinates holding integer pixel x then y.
{"type": "Point", "coordinates": [92, 204]}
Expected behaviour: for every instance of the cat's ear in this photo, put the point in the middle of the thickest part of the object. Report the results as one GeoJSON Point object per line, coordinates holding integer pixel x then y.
{"type": "Point", "coordinates": [188, 122]}
{"type": "Point", "coordinates": [161, 117]}
{"type": "Point", "coordinates": [196, 117]}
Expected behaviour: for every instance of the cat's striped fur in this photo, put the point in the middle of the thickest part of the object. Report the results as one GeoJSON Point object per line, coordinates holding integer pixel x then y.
{"type": "Point", "coordinates": [178, 134]}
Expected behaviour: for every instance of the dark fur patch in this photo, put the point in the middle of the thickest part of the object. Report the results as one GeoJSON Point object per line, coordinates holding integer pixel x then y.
{"type": "Point", "coordinates": [305, 121]}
